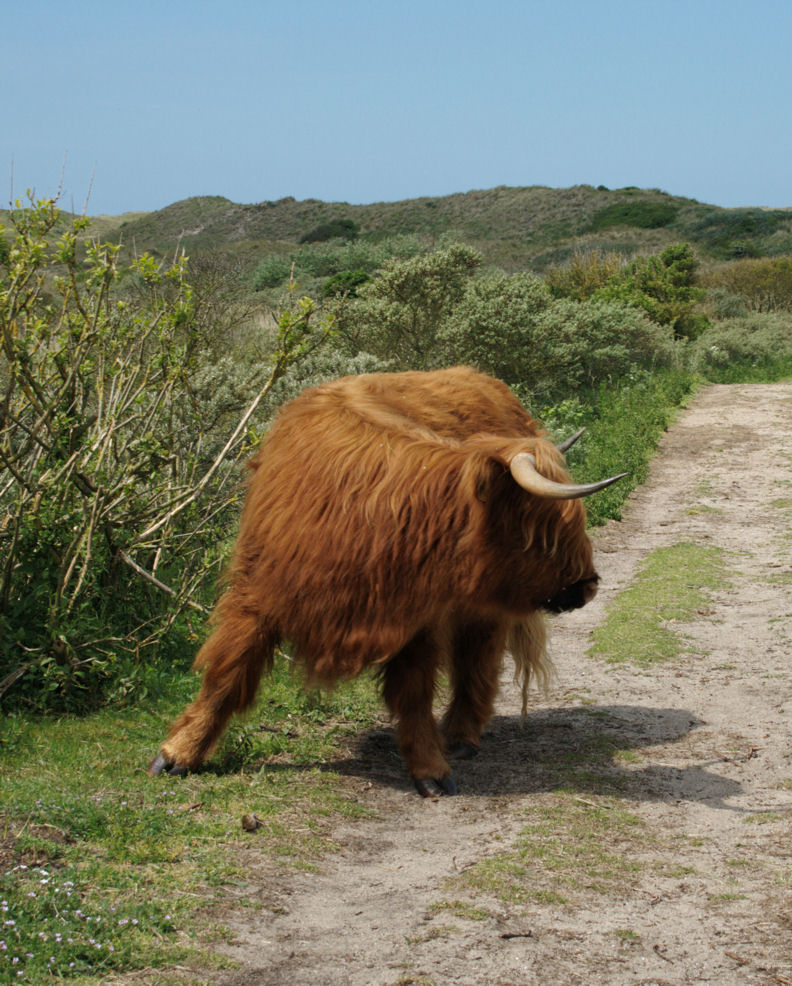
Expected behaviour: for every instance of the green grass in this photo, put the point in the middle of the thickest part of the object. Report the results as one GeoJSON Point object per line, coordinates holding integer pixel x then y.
{"type": "Point", "coordinates": [672, 584]}
{"type": "Point", "coordinates": [567, 849]}
{"type": "Point", "coordinates": [460, 909]}
{"type": "Point", "coordinates": [763, 369]}
{"type": "Point", "coordinates": [624, 422]}
{"type": "Point", "coordinates": [105, 870]}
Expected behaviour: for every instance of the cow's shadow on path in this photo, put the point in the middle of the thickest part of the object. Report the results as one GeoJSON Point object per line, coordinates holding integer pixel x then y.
{"type": "Point", "coordinates": [638, 752]}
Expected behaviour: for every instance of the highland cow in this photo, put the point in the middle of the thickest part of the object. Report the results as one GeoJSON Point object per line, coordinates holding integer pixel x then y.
{"type": "Point", "coordinates": [406, 522]}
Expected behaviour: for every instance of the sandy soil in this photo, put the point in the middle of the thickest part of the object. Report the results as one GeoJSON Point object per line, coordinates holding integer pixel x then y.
{"type": "Point", "coordinates": [709, 899]}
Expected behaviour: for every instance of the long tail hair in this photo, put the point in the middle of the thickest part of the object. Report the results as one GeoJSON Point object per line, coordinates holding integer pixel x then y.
{"type": "Point", "coordinates": [527, 644]}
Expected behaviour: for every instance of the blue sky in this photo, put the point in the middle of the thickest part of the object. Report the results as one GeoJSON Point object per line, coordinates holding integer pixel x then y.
{"type": "Point", "coordinates": [151, 101]}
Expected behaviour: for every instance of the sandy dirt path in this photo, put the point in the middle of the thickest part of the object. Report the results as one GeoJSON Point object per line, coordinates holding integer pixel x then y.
{"type": "Point", "coordinates": [698, 888]}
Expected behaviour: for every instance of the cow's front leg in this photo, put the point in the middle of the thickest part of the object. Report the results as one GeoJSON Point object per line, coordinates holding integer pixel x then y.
{"type": "Point", "coordinates": [408, 689]}
{"type": "Point", "coordinates": [477, 655]}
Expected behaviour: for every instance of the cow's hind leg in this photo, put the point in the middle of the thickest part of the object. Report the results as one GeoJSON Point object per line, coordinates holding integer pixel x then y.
{"type": "Point", "coordinates": [408, 690]}
{"type": "Point", "coordinates": [234, 657]}
{"type": "Point", "coordinates": [476, 659]}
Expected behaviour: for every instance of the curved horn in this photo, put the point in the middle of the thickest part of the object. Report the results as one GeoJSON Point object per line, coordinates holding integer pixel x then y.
{"type": "Point", "coordinates": [569, 442]}
{"type": "Point", "coordinates": [523, 469]}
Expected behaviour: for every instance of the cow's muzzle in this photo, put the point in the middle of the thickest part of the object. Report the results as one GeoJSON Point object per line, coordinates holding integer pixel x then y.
{"type": "Point", "coordinates": [572, 596]}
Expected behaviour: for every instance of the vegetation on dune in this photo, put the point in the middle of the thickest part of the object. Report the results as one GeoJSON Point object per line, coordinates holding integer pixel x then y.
{"type": "Point", "coordinates": [736, 233]}
{"type": "Point", "coordinates": [514, 228]}
{"type": "Point", "coordinates": [313, 261]}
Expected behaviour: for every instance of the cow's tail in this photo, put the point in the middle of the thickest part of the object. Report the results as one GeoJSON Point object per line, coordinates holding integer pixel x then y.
{"type": "Point", "coordinates": [527, 644]}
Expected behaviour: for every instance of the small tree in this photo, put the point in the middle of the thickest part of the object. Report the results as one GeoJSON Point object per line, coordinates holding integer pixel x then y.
{"type": "Point", "coordinates": [347, 282]}
{"type": "Point", "coordinates": [662, 285]}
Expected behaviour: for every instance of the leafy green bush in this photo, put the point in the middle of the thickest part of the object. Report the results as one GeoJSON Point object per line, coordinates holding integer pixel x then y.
{"type": "Point", "coordinates": [343, 229]}
{"type": "Point", "coordinates": [398, 314]}
{"type": "Point", "coordinates": [753, 347]}
{"type": "Point", "coordinates": [493, 326]}
{"type": "Point", "coordinates": [722, 303]}
{"type": "Point", "coordinates": [120, 440]}
{"type": "Point", "coordinates": [548, 349]}
{"type": "Point", "coordinates": [591, 342]}
{"type": "Point", "coordinates": [272, 271]}
{"type": "Point", "coordinates": [643, 215]}
{"type": "Point", "coordinates": [346, 282]}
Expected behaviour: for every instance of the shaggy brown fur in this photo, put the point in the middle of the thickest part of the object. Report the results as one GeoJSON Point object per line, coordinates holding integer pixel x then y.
{"type": "Point", "coordinates": [382, 527]}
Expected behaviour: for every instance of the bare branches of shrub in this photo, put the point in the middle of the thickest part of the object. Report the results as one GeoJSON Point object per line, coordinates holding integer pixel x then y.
{"type": "Point", "coordinates": [118, 474]}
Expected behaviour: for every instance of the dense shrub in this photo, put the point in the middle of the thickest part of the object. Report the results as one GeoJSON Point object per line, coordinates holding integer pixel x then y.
{"type": "Point", "coordinates": [272, 271]}
{"type": "Point", "coordinates": [493, 326]}
{"type": "Point", "coordinates": [398, 315]}
{"type": "Point", "coordinates": [756, 346]}
{"type": "Point", "coordinates": [764, 285]}
{"type": "Point", "coordinates": [346, 282]}
{"type": "Point", "coordinates": [585, 274]}
{"type": "Point", "coordinates": [342, 229]}
{"type": "Point", "coordinates": [643, 215]}
{"type": "Point", "coordinates": [549, 348]}
{"type": "Point", "coordinates": [722, 303]}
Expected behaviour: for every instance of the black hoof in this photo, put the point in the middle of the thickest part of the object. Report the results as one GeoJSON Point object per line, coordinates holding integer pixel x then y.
{"type": "Point", "coordinates": [462, 750]}
{"type": "Point", "coordinates": [161, 763]}
{"type": "Point", "coordinates": [428, 787]}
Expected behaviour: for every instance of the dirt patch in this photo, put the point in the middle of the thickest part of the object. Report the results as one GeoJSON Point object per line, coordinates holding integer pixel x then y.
{"type": "Point", "coordinates": [29, 845]}
{"type": "Point", "coordinates": [681, 773]}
